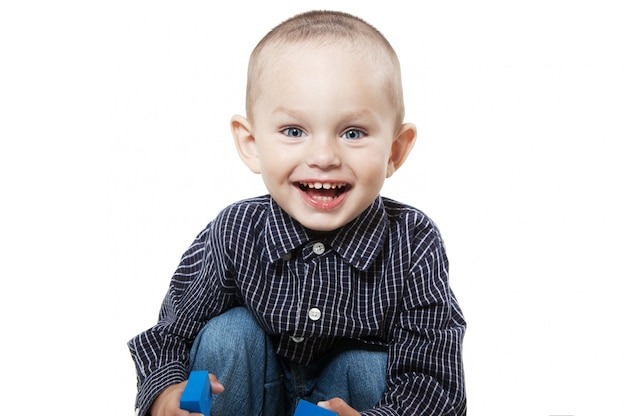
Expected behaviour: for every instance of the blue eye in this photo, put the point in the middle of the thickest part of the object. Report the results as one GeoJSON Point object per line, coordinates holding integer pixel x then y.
{"type": "Point", "coordinates": [293, 132]}
{"type": "Point", "coordinates": [353, 134]}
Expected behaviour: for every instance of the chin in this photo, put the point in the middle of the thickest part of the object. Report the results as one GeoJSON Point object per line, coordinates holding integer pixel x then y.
{"type": "Point", "coordinates": [322, 229]}
{"type": "Point", "coordinates": [322, 224]}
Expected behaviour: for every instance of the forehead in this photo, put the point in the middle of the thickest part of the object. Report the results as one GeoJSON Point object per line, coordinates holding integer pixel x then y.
{"type": "Point", "coordinates": [323, 79]}
{"type": "Point", "coordinates": [319, 63]}
{"type": "Point", "coordinates": [320, 59]}
{"type": "Point", "coordinates": [323, 59]}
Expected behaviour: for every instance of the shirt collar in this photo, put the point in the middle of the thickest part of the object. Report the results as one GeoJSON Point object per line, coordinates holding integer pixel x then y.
{"type": "Point", "coordinates": [283, 234]}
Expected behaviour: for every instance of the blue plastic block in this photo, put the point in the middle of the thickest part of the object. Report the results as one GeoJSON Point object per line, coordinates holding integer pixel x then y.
{"type": "Point", "coordinates": [309, 409]}
{"type": "Point", "coordinates": [197, 394]}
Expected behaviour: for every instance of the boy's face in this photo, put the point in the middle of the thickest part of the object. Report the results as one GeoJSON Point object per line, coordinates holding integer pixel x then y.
{"type": "Point", "coordinates": [323, 133]}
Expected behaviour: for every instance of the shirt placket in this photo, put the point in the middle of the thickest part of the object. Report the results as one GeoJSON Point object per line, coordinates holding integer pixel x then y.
{"type": "Point", "coordinates": [308, 313]}
{"type": "Point", "coordinates": [311, 310]}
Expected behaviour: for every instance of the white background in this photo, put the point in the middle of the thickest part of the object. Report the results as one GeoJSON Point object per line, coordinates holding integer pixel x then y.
{"type": "Point", "coordinates": [116, 150]}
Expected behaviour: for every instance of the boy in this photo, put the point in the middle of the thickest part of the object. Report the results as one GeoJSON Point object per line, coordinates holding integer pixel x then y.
{"type": "Point", "coordinates": [321, 290]}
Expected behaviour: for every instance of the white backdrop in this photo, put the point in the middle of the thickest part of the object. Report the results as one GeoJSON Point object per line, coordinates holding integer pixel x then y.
{"type": "Point", "coordinates": [116, 150]}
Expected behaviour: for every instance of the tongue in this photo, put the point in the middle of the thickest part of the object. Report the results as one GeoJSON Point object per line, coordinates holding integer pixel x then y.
{"type": "Point", "coordinates": [332, 193]}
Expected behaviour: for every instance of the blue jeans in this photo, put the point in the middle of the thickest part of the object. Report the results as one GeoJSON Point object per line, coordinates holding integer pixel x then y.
{"type": "Point", "coordinates": [258, 382]}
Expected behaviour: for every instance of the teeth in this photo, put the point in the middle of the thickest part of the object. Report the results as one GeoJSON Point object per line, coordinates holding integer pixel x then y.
{"type": "Point", "coordinates": [325, 185]}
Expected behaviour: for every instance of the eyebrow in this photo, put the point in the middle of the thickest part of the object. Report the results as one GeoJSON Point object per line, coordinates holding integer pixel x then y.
{"type": "Point", "coordinates": [288, 111]}
{"type": "Point", "coordinates": [366, 113]}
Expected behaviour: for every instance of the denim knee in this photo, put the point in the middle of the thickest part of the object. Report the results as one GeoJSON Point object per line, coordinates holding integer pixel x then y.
{"type": "Point", "coordinates": [357, 375]}
{"type": "Point", "coordinates": [229, 337]}
{"type": "Point", "coordinates": [237, 350]}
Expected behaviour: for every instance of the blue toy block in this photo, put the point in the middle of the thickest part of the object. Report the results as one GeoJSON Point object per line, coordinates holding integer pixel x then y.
{"type": "Point", "coordinates": [309, 409]}
{"type": "Point", "coordinates": [197, 394]}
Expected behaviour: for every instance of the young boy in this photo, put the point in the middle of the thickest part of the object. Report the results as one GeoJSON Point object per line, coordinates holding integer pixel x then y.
{"type": "Point", "coordinates": [321, 290]}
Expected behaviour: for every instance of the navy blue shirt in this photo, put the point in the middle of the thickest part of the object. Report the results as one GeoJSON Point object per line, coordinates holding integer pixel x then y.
{"type": "Point", "coordinates": [382, 279]}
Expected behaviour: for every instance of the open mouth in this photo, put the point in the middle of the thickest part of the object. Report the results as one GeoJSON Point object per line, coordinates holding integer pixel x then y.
{"type": "Point", "coordinates": [326, 191]}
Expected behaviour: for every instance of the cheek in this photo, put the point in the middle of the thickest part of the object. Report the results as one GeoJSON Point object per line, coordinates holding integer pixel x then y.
{"type": "Point", "coordinates": [268, 155]}
{"type": "Point", "coordinates": [276, 165]}
{"type": "Point", "coordinates": [375, 163]}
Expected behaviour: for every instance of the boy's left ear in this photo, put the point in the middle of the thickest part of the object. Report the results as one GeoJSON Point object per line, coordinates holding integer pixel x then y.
{"type": "Point", "coordinates": [401, 147]}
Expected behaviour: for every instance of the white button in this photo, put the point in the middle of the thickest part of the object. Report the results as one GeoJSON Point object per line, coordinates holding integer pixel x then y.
{"type": "Point", "coordinates": [287, 257]}
{"type": "Point", "coordinates": [315, 314]}
{"type": "Point", "coordinates": [318, 248]}
{"type": "Point", "coordinates": [297, 340]}
{"type": "Point", "coordinates": [137, 412]}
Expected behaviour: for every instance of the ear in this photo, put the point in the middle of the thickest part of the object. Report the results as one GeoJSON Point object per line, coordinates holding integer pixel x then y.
{"type": "Point", "coordinates": [245, 142]}
{"type": "Point", "coordinates": [401, 147]}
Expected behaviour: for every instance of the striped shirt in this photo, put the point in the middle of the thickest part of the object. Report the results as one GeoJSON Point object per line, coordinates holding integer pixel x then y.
{"type": "Point", "coordinates": [382, 279]}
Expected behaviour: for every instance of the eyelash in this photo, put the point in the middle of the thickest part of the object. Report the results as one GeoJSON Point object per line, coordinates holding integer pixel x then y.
{"type": "Point", "coordinates": [287, 131]}
{"type": "Point", "coordinates": [359, 131]}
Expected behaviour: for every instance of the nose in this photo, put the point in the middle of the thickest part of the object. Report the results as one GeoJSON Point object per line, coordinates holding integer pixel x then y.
{"type": "Point", "coordinates": [323, 152]}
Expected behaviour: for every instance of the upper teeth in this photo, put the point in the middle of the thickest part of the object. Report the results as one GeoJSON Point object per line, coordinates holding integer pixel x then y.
{"type": "Point", "coordinates": [326, 185]}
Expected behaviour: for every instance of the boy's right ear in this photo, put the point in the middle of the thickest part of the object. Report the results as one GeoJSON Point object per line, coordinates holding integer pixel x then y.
{"type": "Point", "coordinates": [245, 142]}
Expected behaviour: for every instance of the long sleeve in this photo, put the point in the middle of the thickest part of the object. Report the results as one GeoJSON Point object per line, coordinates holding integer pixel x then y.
{"type": "Point", "coordinates": [425, 370]}
{"type": "Point", "coordinates": [161, 354]}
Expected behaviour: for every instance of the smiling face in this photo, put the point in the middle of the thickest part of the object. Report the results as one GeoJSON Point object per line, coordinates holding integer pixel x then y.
{"type": "Point", "coordinates": [323, 133]}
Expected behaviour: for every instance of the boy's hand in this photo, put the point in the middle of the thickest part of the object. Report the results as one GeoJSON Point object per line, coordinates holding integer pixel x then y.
{"type": "Point", "coordinates": [338, 406]}
{"type": "Point", "coordinates": [168, 402]}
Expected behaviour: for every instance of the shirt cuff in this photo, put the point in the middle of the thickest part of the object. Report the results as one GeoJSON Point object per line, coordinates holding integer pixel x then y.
{"type": "Point", "coordinates": [155, 383]}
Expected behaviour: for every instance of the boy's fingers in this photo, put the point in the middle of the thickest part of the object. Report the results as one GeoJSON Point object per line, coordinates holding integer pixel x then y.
{"type": "Point", "coordinates": [216, 386]}
{"type": "Point", "coordinates": [338, 406]}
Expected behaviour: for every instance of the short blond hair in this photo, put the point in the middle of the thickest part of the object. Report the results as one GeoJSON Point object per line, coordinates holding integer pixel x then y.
{"type": "Point", "coordinates": [320, 27]}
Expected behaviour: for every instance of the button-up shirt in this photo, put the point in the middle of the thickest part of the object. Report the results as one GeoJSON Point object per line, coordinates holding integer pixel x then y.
{"type": "Point", "coordinates": [382, 279]}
